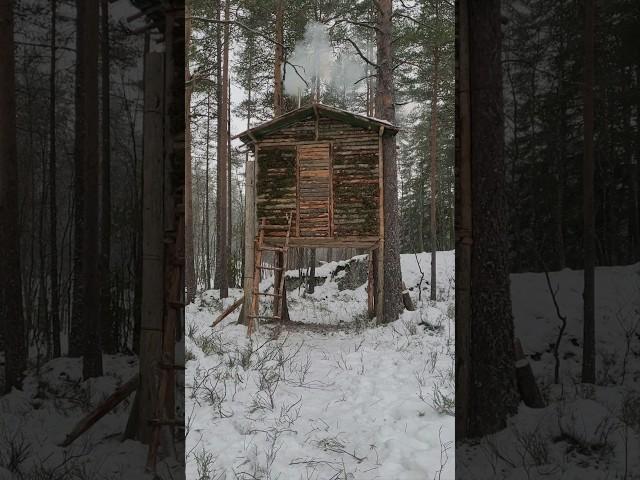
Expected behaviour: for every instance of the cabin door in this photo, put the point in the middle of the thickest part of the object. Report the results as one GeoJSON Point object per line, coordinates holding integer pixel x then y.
{"type": "Point", "coordinates": [314, 190]}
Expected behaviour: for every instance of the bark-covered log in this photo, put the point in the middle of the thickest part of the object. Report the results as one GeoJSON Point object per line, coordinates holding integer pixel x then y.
{"type": "Point", "coordinates": [527, 385]}
{"type": "Point", "coordinates": [406, 299]}
{"type": "Point", "coordinates": [122, 392]}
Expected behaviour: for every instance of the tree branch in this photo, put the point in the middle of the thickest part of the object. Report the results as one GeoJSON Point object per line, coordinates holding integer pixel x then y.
{"type": "Point", "coordinates": [361, 54]}
{"type": "Point", "coordinates": [240, 24]}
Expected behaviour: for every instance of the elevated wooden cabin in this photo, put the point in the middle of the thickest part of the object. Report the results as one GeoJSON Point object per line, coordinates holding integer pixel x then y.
{"type": "Point", "coordinates": [323, 165]}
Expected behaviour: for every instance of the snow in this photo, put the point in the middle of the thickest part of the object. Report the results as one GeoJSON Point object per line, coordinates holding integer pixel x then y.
{"type": "Point", "coordinates": [332, 396]}
{"type": "Point", "coordinates": [585, 431]}
{"type": "Point", "coordinates": [33, 421]}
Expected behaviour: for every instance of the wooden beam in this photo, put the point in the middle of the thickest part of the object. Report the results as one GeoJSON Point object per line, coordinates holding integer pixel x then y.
{"type": "Point", "coordinates": [249, 235]}
{"type": "Point", "coordinates": [315, 242]}
{"type": "Point", "coordinates": [152, 242]}
{"type": "Point", "coordinates": [371, 304]}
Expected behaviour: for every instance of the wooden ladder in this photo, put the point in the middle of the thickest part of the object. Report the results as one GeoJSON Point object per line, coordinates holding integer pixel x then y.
{"type": "Point", "coordinates": [278, 293]}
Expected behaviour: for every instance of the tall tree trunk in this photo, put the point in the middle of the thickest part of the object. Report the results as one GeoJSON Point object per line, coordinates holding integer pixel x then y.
{"type": "Point", "coordinates": [385, 109]}
{"type": "Point", "coordinates": [463, 224]}
{"type": "Point", "coordinates": [588, 351]}
{"type": "Point", "coordinates": [222, 249]}
{"type": "Point", "coordinates": [217, 280]}
{"type": "Point", "coordinates": [92, 358]}
{"type": "Point", "coordinates": [278, 94]}
{"type": "Point", "coordinates": [207, 217]}
{"type": "Point", "coordinates": [77, 328]}
{"type": "Point", "coordinates": [433, 142]}
{"type": "Point", "coordinates": [492, 391]}
{"type": "Point", "coordinates": [229, 174]}
{"type": "Point", "coordinates": [11, 284]}
{"type": "Point", "coordinates": [190, 272]}
{"type": "Point", "coordinates": [108, 322]}
{"type": "Point", "coordinates": [53, 210]}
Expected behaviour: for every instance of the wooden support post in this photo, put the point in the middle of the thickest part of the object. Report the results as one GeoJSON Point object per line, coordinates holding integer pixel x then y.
{"type": "Point", "coordinates": [249, 236]}
{"type": "Point", "coordinates": [152, 248]}
{"type": "Point", "coordinates": [380, 284]}
{"type": "Point", "coordinates": [371, 304]}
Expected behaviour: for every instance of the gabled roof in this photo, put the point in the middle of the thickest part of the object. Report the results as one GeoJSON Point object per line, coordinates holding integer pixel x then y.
{"type": "Point", "coordinates": [310, 111]}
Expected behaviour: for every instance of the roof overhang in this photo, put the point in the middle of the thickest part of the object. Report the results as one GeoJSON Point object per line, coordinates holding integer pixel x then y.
{"type": "Point", "coordinates": [312, 111]}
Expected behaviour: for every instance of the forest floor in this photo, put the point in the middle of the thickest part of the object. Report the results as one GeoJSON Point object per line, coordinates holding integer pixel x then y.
{"type": "Point", "coordinates": [331, 397]}
{"type": "Point", "coordinates": [586, 431]}
{"type": "Point", "coordinates": [34, 420]}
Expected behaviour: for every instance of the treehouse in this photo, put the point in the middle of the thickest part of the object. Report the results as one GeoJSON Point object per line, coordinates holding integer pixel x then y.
{"type": "Point", "coordinates": [316, 181]}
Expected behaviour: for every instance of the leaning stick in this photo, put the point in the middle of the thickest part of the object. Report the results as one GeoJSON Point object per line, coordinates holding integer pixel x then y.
{"type": "Point", "coordinates": [122, 392]}
{"type": "Point", "coordinates": [230, 309]}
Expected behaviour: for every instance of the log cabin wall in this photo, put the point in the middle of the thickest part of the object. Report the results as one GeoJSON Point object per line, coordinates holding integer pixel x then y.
{"type": "Point", "coordinates": [294, 176]}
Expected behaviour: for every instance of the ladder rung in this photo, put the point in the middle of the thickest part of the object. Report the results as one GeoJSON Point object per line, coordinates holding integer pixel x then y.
{"type": "Point", "coordinates": [269, 268]}
{"type": "Point", "coordinates": [267, 294]}
{"type": "Point", "coordinates": [274, 227]}
{"type": "Point", "coordinates": [273, 249]}
{"type": "Point", "coordinates": [264, 316]}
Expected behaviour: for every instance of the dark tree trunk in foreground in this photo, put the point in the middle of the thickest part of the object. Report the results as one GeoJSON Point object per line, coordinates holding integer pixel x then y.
{"type": "Point", "coordinates": [11, 286]}
{"type": "Point", "coordinates": [385, 109]}
{"type": "Point", "coordinates": [53, 212]}
{"type": "Point", "coordinates": [463, 225]}
{"type": "Point", "coordinates": [108, 323]}
{"type": "Point", "coordinates": [92, 358]}
{"type": "Point", "coordinates": [492, 390]}
{"type": "Point", "coordinates": [588, 351]}
{"type": "Point", "coordinates": [77, 329]}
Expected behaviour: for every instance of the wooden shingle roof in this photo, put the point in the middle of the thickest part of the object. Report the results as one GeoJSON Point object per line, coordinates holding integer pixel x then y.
{"type": "Point", "coordinates": [310, 111]}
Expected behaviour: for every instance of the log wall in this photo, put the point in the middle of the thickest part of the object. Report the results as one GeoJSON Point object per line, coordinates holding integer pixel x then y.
{"type": "Point", "coordinates": [354, 194]}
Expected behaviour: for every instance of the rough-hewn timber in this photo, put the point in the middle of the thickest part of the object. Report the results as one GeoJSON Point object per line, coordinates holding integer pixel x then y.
{"type": "Point", "coordinates": [326, 172]}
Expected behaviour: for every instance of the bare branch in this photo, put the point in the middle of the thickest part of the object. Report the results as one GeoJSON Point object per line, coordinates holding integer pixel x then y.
{"type": "Point", "coordinates": [240, 24]}
{"type": "Point", "coordinates": [361, 54]}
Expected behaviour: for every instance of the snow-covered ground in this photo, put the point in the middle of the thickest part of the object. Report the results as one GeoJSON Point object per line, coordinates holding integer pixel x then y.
{"type": "Point", "coordinates": [585, 431]}
{"type": "Point", "coordinates": [34, 420]}
{"type": "Point", "coordinates": [332, 397]}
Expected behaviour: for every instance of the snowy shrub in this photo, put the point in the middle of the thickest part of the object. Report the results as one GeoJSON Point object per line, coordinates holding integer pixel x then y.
{"type": "Point", "coordinates": [189, 355]}
{"type": "Point", "coordinates": [192, 330]}
{"type": "Point", "coordinates": [442, 402]}
{"type": "Point", "coordinates": [631, 410]}
{"type": "Point", "coordinates": [451, 311]}
{"type": "Point", "coordinates": [535, 446]}
{"type": "Point", "coordinates": [211, 344]}
{"type": "Point", "coordinates": [204, 465]}
{"type": "Point", "coordinates": [14, 450]}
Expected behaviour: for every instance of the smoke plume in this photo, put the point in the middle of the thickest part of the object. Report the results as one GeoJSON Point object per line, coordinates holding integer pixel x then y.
{"type": "Point", "coordinates": [315, 61]}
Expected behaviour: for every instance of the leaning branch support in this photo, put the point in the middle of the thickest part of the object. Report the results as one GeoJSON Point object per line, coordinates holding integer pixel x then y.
{"type": "Point", "coordinates": [229, 309]}
{"type": "Point", "coordinates": [122, 392]}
